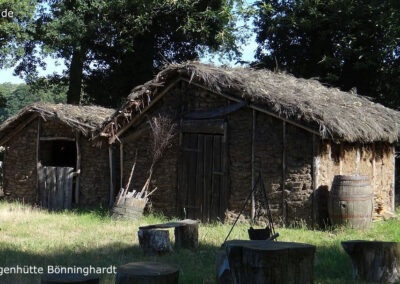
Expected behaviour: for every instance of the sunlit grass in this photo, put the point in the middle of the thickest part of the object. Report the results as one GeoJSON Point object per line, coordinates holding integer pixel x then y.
{"type": "Point", "coordinates": [30, 236]}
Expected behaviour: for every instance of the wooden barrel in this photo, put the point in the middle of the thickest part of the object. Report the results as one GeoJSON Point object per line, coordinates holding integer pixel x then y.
{"type": "Point", "coordinates": [130, 208]}
{"type": "Point", "coordinates": [351, 201]}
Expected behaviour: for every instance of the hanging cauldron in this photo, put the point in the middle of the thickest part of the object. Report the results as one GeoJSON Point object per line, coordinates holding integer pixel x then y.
{"type": "Point", "coordinates": [259, 234]}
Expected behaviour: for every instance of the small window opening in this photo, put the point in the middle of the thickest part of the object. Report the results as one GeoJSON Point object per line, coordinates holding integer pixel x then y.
{"type": "Point", "coordinates": [58, 153]}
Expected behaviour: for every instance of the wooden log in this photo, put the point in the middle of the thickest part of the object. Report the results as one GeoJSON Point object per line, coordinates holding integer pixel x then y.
{"type": "Point", "coordinates": [78, 167]}
{"type": "Point", "coordinates": [253, 165]}
{"type": "Point", "coordinates": [283, 171]}
{"type": "Point", "coordinates": [38, 161]}
{"type": "Point", "coordinates": [154, 241]}
{"type": "Point", "coordinates": [270, 262]}
{"type": "Point", "coordinates": [187, 236]}
{"type": "Point", "coordinates": [69, 278]}
{"type": "Point", "coordinates": [112, 171]}
{"type": "Point", "coordinates": [57, 138]}
{"type": "Point", "coordinates": [147, 273]}
{"type": "Point", "coordinates": [374, 261]}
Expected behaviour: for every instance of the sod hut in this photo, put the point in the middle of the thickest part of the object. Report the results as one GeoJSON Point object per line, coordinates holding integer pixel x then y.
{"type": "Point", "coordinates": [48, 154]}
{"type": "Point", "coordinates": [233, 123]}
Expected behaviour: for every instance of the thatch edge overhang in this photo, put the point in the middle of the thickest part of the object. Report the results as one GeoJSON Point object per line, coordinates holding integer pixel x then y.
{"type": "Point", "coordinates": [83, 119]}
{"type": "Point", "coordinates": [328, 112]}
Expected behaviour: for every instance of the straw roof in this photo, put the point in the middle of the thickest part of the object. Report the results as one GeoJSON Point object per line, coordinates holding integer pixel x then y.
{"type": "Point", "coordinates": [82, 118]}
{"type": "Point", "coordinates": [334, 114]}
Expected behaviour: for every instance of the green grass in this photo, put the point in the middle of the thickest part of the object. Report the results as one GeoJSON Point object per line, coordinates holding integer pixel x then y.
{"type": "Point", "coordinates": [30, 236]}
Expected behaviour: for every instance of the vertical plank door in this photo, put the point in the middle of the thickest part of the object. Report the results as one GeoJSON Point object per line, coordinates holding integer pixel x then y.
{"type": "Point", "coordinates": [55, 187]}
{"type": "Point", "coordinates": [201, 192]}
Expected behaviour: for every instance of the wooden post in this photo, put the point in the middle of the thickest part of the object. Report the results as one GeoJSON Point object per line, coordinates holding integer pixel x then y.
{"type": "Point", "coordinates": [341, 152]}
{"type": "Point", "coordinates": [253, 170]}
{"type": "Point", "coordinates": [78, 167]}
{"type": "Point", "coordinates": [373, 167]}
{"type": "Point", "coordinates": [283, 170]}
{"type": "Point", "coordinates": [358, 159]}
{"type": "Point", "coordinates": [374, 261]}
{"type": "Point", "coordinates": [394, 180]}
{"type": "Point", "coordinates": [315, 181]}
{"type": "Point", "coordinates": [111, 164]}
{"type": "Point", "coordinates": [121, 163]}
{"type": "Point", "coordinates": [38, 160]}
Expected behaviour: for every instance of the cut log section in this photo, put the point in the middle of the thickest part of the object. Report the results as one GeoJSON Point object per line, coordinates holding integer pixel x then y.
{"type": "Point", "coordinates": [69, 278]}
{"type": "Point", "coordinates": [147, 273]}
{"type": "Point", "coordinates": [374, 261]}
{"type": "Point", "coordinates": [270, 262]}
{"type": "Point", "coordinates": [187, 236]}
{"type": "Point", "coordinates": [154, 241]}
{"type": "Point", "coordinates": [186, 232]}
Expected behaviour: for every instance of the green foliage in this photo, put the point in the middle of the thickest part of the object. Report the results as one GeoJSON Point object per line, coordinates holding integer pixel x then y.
{"type": "Point", "coordinates": [15, 31]}
{"type": "Point", "coordinates": [111, 46]}
{"type": "Point", "coordinates": [17, 96]}
{"type": "Point", "coordinates": [344, 43]}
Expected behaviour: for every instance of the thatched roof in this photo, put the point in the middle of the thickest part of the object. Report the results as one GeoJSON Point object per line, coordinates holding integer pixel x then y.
{"type": "Point", "coordinates": [333, 113]}
{"type": "Point", "coordinates": [82, 118]}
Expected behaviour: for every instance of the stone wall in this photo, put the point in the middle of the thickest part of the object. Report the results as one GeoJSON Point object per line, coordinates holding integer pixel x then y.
{"type": "Point", "coordinates": [95, 174]}
{"type": "Point", "coordinates": [19, 167]}
{"type": "Point", "coordinates": [298, 176]}
{"type": "Point", "coordinates": [20, 175]}
{"type": "Point", "coordinates": [374, 160]}
{"type": "Point", "coordinates": [268, 155]}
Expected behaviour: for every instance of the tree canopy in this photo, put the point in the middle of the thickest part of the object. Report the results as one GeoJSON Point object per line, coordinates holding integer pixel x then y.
{"type": "Point", "coordinates": [111, 46]}
{"type": "Point", "coordinates": [344, 43]}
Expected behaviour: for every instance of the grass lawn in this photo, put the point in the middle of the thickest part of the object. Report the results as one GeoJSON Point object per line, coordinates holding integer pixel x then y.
{"type": "Point", "coordinates": [30, 236]}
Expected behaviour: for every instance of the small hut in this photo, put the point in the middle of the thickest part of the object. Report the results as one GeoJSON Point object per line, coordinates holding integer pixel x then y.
{"type": "Point", "coordinates": [49, 158]}
{"type": "Point", "coordinates": [233, 123]}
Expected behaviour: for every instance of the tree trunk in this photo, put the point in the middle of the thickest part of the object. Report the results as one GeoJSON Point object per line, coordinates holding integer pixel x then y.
{"type": "Point", "coordinates": [154, 242]}
{"type": "Point", "coordinates": [374, 261]}
{"type": "Point", "coordinates": [75, 77]}
{"type": "Point", "coordinates": [187, 236]}
{"type": "Point", "coordinates": [270, 262]}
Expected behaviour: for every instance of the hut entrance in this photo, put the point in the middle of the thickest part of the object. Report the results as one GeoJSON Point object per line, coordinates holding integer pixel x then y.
{"type": "Point", "coordinates": [202, 172]}
{"type": "Point", "coordinates": [57, 161]}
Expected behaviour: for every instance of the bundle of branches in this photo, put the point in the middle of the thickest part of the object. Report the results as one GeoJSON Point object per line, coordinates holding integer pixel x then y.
{"type": "Point", "coordinates": [162, 133]}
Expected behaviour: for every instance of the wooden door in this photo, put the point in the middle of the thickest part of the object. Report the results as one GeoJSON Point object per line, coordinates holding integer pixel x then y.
{"type": "Point", "coordinates": [55, 187]}
{"type": "Point", "coordinates": [202, 192]}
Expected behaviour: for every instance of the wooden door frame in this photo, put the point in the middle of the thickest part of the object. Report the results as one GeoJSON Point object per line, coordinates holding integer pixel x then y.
{"type": "Point", "coordinates": [207, 127]}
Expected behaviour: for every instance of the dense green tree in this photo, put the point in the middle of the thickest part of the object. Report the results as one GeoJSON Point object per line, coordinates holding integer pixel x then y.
{"type": "Point", "coordinates": [345, 43]}
{"type": "Point", "coordinates": [14, 29]}
{"type": "Point", "coordinates": [111, 46]}
{"type": "Point", "coordinates": [16, 96]}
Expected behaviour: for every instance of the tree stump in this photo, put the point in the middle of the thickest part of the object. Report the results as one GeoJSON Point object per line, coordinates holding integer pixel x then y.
{"type": "Point", "coordinates": [187, 235]}
{"type": "Point", "coordinates": [374, 261]}
{"type": "Point", "coordinates": [69, 278]}
{"type": "Point", "coordinates": [147, 273]}
{"type": "Point", "coordinates": [154, 241]}
{"type": "Point", "coordinates": [270, 262]}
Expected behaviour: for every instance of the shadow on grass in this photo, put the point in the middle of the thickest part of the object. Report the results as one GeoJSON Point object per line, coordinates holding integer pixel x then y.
{"type": "Point", "coordinates": [332, 265]}
{"type": "Point", "coordinates": [195, 266]}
